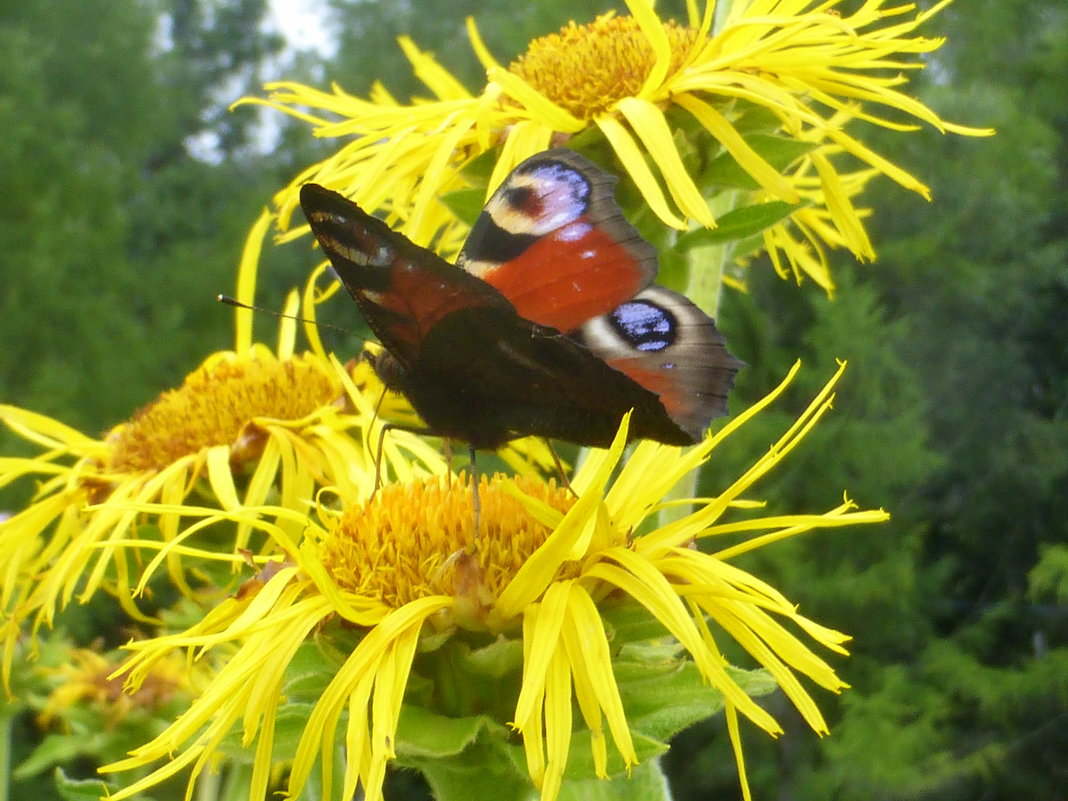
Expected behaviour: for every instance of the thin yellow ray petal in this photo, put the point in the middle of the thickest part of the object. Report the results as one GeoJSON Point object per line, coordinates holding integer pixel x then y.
{"type": "Point", "coordinates": [436, 78]}
{"type": "Point", "coordinates": [747, 158]}
{"type": "Point", "coordinates": [532, 724]}
{"type": "Point", "coordinates": [557, 724]}
{"type": "Point", "coordinates": [590, 656]}
{"type": "Point", "coordinates": [634, 163]}
{"type": "Point", "coordinates": [841, 209]}
{"type": "Point", "coordinates": [537, 105]}
{"type": "Point", "coordinates": [650, 25]}
{"type": "Point", "coordinates": [651, 127]}
{"type": "Point", "coordinates": [568, 540]}
{"type": "Point", "coordinates": [547, 619]}
{"type": "Point", "coordinates": [287, 326]}
{"type": "Point", "coordinates": [43, 430]}
{"type": "Point", "coordinates": [245, 290]}
{"type": "Point", "coordinates": [482, 52]}
{"type": "Point", "coordinates": [639, 579]}
{"type": "Point", "coordinates": [221, 477]}
{"type": "Point", "coordinates": [885, 166]}
{"type": "Point", "coordinates": [735, 734]}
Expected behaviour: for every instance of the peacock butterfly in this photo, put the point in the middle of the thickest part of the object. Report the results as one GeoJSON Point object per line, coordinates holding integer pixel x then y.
{"type": "Point", "coordinates": [549, 324]}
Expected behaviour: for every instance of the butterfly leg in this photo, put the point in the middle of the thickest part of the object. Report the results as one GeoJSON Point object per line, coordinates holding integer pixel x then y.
{"type": "Point", "coordinates": [386, 427]}
{"type": "Point", "coordinates": [446, 449]}
{"type": "Point", "coordinates": [559, 467]}
{"type": "Point", "coordinates": [476, 503]}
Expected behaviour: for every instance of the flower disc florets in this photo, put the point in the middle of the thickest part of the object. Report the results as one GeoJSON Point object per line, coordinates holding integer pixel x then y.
{"type": "Point", "coordinates": [411, 541]}
{"type": "Point", "coordinates": [216, 405]}
{"type": "Point", "coordinates": [587, 68]}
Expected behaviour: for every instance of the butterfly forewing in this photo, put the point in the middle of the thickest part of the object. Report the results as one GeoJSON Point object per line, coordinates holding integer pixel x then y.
{"type": "Point", "coordinates": [403, 290]}
{"type": "Point", "coordinates": [553, 240]}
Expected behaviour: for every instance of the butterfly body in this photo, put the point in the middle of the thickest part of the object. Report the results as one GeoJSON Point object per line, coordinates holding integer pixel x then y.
{"type": "Point", "coordinates": [549, 326]}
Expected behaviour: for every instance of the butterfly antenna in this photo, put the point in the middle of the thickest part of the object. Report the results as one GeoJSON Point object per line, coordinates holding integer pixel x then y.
{"type": "Point", "coordinates": [559, 467]}
{"type": "Point", "coordinates": [237, 304]}
{"type": "Point", "coordinates": [378, 456]}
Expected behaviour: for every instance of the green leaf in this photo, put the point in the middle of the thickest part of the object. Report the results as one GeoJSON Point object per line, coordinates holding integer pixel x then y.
{"type": "Point", "coordinates": [646, 782]}
{"type": "Point", "coordinates": [465, 203]}
{"type": "Point", "coordinates": [422, 734]}
{"type": "Point", "coordinates": [778, 151]}
{"type": "Point", "coordinates": [461, 758]}
{"type": "Point", "coordinates": [58, 749]}
{"type": "Point", "coordinates": [498, 659]}
{"type": "Point", "coordinates": [739, 224]}
{"type": "Point", "coordinates": [478, 170]}
{"type": "Point", "coordinates": [751, 118]}
{"type": "Point", "coordinates": [289, 727]}
{"type": "Point", "coordinates": [79, 789]}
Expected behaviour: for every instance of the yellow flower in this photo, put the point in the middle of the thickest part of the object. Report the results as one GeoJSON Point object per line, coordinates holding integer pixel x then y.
{"type": "Point", "coordinates": [85, 681]}
{"type": "Point", "coordinates": [247, 427]}
{"type": "Point", "coordinates": [406, 575]}
{"type": "Point", "coordinates": [777, 74]}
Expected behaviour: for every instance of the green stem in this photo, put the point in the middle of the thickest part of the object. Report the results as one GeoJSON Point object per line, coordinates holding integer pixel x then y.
{"type": "Point", "coordinates": [208, 784]}
{"type": "Point", "coordinates": [704, 287]}
{"type": "Point", "coordinates": [7, 720]}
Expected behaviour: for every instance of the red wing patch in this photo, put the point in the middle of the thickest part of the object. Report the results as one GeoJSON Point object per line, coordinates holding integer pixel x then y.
{"type": "Point", "coordinates": [554, 242]}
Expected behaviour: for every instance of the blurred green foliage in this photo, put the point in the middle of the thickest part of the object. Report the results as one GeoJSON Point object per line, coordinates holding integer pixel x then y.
{"type": "Point", "coordinates": [128, 190]}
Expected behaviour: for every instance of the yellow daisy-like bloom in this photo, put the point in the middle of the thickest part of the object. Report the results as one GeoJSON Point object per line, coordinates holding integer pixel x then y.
{"type": "Point", "coordinates": [776, 71]}
{"type": "Point", "coordinates": [405, 571]}
{"type": "Point", "coordinates": [86, 680]}
{"type": "Point", "coordinates": [247, 427]}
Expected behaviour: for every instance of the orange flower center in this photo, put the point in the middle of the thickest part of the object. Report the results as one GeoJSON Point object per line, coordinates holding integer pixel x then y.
{"type": "Point", "coordinates": [218, 404]}
{"type": "Point", "coordinates": [587, 68]}
{"type": "Point", "coordinates": [414, 540]}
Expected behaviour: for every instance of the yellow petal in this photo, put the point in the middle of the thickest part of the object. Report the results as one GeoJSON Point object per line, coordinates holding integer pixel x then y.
{"type": "Point", "coordinates": [546, 619]}
{"type": "Point", "coordinates": [537, 105]}
{"type": "Point", "coordinates": [439, 80]}
{"type": "Point", "coordinates": [634, 163]}
{"type": "Point", "coordinates": [481, 51]}
{"type": "Point", "coordinates": [651, 127]}
{"type": "Point", "coordinates": [747, 158]}
{"type": "Point", "coordinates": [245, 291]}
{"type": "Point", "coordinates": [650, 24]}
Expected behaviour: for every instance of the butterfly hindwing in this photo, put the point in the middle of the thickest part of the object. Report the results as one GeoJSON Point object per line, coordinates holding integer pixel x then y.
{"type": "Point", "coordinates": [553, 240]}
{"type": "Point", "coordinates": [486, 376]}
{"type": "Point", "coordinates": [663, 342]}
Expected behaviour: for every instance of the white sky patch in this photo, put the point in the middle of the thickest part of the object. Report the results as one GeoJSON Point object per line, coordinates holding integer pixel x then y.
{"type": "Point", "coordinates": [305, 24]}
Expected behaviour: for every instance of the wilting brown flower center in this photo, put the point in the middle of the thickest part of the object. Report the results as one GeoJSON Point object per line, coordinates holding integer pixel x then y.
{"type": "Point", "coordinates": [587, 68]}
{"type": "Point", "coordinates": [414, 540]}
{"type": "Point", "coordinates": [216, 406]}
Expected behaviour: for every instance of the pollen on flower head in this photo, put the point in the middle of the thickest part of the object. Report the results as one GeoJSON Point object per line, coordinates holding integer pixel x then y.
{"type": "Point", "coordinates": [587, 68]}
{"type": "Point", "coordinates": [415, 540]}
{"type": "Point", "coordinates": [216, 405]}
